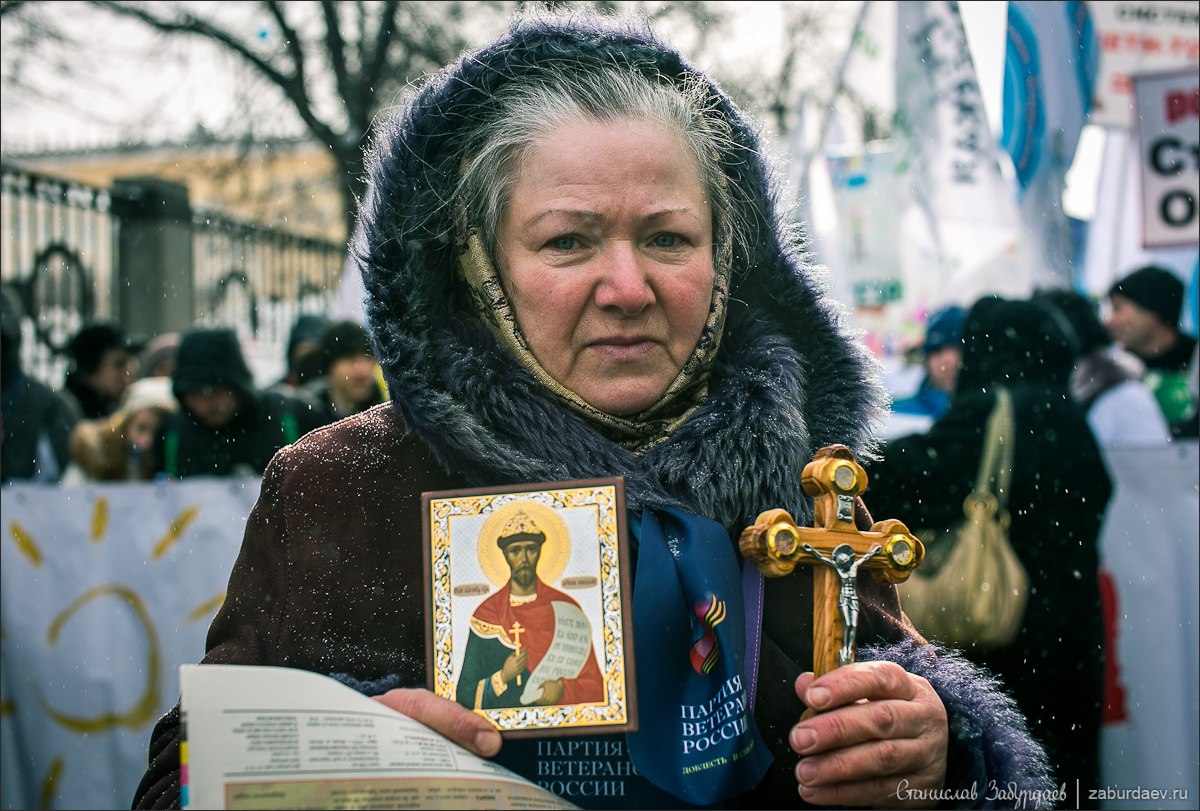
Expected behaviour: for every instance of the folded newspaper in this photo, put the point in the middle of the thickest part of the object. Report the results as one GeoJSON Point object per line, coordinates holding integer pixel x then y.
{"type": "Point", "coordinates": [273, 737]}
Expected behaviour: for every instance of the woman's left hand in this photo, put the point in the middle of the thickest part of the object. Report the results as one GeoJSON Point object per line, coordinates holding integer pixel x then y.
{"type": "Point", "coordinates": [448, 718]}
{"type": "Point", "coordinates": [879, 738]}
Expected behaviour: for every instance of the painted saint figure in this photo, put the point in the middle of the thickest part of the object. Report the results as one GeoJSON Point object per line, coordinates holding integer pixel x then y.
{"type": "Point", "coordinates": [512, 630]}
{"type": "Point", "coordinates": [845, 565]}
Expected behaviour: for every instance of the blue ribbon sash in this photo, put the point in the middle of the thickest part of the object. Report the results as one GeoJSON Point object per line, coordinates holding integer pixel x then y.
{"type": "Point", "coordinates": [696, 734]}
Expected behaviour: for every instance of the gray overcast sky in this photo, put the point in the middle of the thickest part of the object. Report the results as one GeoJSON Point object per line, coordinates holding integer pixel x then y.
{"type": "Point", "coordinates": [137, 88]}
{"type": "Point", "coordinates": [138, 91]}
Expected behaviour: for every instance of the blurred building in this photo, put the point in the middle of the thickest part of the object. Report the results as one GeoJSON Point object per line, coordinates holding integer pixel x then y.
{"type": "Point", "coordinates": [282, 183]}
{"type": "Point", "coordinates": [161, 237]}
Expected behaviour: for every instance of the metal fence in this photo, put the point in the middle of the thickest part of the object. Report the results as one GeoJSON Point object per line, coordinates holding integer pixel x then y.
{"type": "Point", "coordinates": [259, 280]}
{"type": "Point", "coordinates": [57, 259]}
{"type": "Point", "coordinates": [63, 259]}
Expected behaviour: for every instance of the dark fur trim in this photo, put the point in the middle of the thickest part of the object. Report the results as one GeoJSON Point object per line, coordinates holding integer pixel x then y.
{"type": "Point", "coordinates": [991, 750]}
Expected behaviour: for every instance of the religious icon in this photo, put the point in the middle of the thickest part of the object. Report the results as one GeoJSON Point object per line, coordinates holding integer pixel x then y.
{"type": "Point", "coordinates": [527, 604]}
{"type": "Point", "coordinates": [496, 663]}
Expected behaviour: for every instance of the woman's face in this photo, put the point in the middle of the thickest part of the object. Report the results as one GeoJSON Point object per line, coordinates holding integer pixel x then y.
{"type": "Point", "coordinates": [605, 250]}
{"type": "Point", "coordinates": [141, 427]}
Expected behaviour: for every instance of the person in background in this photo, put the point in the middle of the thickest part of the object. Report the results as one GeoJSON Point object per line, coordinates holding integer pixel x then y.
{"type": "Point", "coordinates": [225, 425]}
{"type": "Point", "coordinates": [157, 358]}
{"type": "Point", "coordinates": [36, 422]}
{"type": "Point", "coordinates": [102, 367]}
{"type": "Point", "coordinates": [941, 356]}
{"type": "Point", "coordinates": [302, 354]}
{"type": "Point", "coordinates": [1122, 413]}
{"type": "Point", "coordinates": [1058, 496]}
{"type": "Point", "coordinates": [121, 447]}
{"type": "Point", "coordinates": [1143, 317]}
{"type": "Point", "coordinates": [575, 268]}
{"type": "Point", "coordinates": [349, 381]}
{"type": "Point", "coordinates": [1107, 380]}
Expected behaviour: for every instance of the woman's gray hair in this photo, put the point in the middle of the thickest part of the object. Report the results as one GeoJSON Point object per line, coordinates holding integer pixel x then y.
{"type": "Point", "coordinates": [524, 112]}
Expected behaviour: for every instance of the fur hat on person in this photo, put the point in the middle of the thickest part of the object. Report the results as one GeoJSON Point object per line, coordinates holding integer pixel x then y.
{"type": "Point", "coordinates": [1154, 289]}
{"type": "Point", "coordinates": [149, 392]}
{"type": "Point", "coordinates": [782, 332]}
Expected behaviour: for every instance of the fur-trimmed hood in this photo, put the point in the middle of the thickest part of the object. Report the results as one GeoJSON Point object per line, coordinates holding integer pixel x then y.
{"type": "Point", "coordinates": [789, 376]}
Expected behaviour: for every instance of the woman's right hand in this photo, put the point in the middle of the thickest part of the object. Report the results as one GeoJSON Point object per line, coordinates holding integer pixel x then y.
{"type": "Point", "coordinates": [447, 718]}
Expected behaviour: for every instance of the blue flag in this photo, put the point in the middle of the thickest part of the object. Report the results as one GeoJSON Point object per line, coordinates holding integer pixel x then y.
{"type": "Point", "coordinates": [1050, 65]}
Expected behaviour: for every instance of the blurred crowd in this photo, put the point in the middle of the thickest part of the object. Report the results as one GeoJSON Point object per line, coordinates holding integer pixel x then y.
{"type": "Point", "coordinates": [176, 405]}
{"type": "Point", "coordinates": [1085, 375]}
{"type": "Point", "coordinates": [1133, 370]}
{"type": "Point", "coordinates": [180, 405]}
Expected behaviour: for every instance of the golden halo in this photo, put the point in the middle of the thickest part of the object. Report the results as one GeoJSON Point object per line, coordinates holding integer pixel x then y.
{"type": "Point", "coordinates": [555, 551]}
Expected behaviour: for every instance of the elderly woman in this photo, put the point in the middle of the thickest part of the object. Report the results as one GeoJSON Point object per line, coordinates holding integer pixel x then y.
{"type": "Point", "coordinates": [575, 269]}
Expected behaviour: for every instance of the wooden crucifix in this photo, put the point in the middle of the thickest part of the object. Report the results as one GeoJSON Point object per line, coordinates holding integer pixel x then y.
{"type": "Point", "coordinates": [836, 547]}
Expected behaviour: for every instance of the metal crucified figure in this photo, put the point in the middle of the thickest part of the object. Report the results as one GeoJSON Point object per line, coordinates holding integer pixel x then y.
{"type": "Point", "coordinates": [845, 565]}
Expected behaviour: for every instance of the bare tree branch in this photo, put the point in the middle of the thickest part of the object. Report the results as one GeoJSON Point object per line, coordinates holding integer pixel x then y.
{"type": "Point", "coordinates": [364, 53]}
{"type": "Point", "coordinates": [190, 24]}
{"type": "Point", "coordinates": [377, 59]}
{"type": "Point", "coordinates": [335, 47]}
{"type": "Point", "coordinates": [296, 86]}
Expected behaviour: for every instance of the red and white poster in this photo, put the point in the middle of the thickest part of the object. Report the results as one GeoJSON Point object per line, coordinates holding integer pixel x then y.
{"type": "Point", "coordinates": [1168, 106]}
{"type": "Point", "coordinates": [1137, 38]}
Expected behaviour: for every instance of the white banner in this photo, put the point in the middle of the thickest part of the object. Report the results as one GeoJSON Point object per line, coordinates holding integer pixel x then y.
{"type": "Point", "coordinates": [952, 160]}
{"type": "Point", "coordinates": [952, 217]}
{"type": "Point", "coordinates": [1148, 548]}
{"type": "Point", "coordinates": [1139, 37]}
{"type": "Point", "coordinates": [1168, 106]}
{"type": "Point", "coordinates": [106, 590]}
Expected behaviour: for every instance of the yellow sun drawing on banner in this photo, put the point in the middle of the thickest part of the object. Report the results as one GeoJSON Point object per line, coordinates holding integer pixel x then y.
{"type": "Point", "coordinates": [144, 709]}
